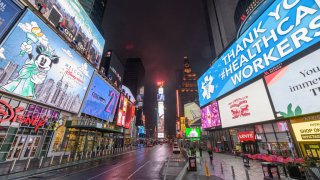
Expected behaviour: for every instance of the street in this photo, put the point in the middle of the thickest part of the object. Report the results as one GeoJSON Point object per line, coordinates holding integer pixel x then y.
{"type": "Point", "coordinates": [144, 163]}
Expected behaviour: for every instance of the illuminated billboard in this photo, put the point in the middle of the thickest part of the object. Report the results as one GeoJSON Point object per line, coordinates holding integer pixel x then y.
{"type": "Point", "coordinates": [160, 117]}
{"type": "Point", "coordinates": [193, 132]}
{"type": "Point", "coordinates": [307, 131]}
{"type": "Point", "coordinates": [129, 115]}
{"type": "Point", "coordinates": [9, 11]}
{"type": "Point", "coordinates": [192, 113]}
{"type": "Point", "coordinates": [72, 21]}
{"type": "Point", "coordinates": [210, 117]}
{"type": "Point", "coordinates": [39, 65]}
{"type": "Point", "coordinates": [282, 31]}
{"type": "Point", "coordinates": [245, 106]}
{"type": "Point", "coordinates": [294, 89]}
{"type": "Point", "coordinates": [102, 99]}
{"type": "Point", "coordinates": [122, 111]}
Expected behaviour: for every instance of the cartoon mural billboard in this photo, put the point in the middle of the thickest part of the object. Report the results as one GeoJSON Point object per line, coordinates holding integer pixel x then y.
{"type": "Point", "coordinates": [72, 21]}
{"type": "Point", "coordinates": [38, 65]}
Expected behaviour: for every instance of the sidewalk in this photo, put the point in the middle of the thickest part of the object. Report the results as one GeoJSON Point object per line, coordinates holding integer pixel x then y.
{"type": "Point", "coordinates": [226, 161]}
{"type": "Point", "coordinates": [200, 174]}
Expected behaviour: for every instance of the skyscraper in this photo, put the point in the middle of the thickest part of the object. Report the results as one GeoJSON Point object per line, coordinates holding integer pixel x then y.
{"type": "Point", "coordinates": [133, 78]}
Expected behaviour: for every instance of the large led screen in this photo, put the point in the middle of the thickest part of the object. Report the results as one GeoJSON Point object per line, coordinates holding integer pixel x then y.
{"type": "Point", "coordinates": [283, 30]}
{"type": "Point", "coordinates": [75, 25]}
{"type": "Point", "coordinates": [160, 117]}
{"type": "Point", "coordinates": [193, 132]}
{"type": "Point", "coordinates": [102, 99]}
{"type": "Point", "coordinates": [192, 113]}
{"type": "Point", "coordinates": [39, 65]}
{"type": "Point", "coordinates": [245, 106]}
{"type": "Point", "coordinates": [294, 89]}
{"type": "Point", "coordinates": [210, 117]}
{"type": "Point", "coordinates": [122, 111]}
{"type": "Point", "coordinates": [9, 11]}
{"type": "Point", "coordinates": [129, 115]}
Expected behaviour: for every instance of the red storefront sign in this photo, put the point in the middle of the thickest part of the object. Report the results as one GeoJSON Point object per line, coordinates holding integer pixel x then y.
{"type": "Point", "coordinates": [246, 136]}
{"type": "Point", "coordinates": [8, 113]}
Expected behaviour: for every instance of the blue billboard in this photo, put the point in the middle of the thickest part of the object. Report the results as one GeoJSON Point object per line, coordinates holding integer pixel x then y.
{"type": "Point", "coordinates": [9, 11]}
{"type": "Point", "coordinates": [102, 99]}
{"type": "Point", "coordinates": [35, 63]}
{"type": "Point", "coordinates": [286, 28]}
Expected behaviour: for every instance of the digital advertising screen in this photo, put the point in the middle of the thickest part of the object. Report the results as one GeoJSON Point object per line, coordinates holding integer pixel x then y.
{"type": "Point", "coordinates": [37, 64]}
{"type": "Point", "coordinates": [141, 130]}
{"type": "Point", "coordinates": [9, 11]}
{"type": "Point", "coordinates": [102, 99]}
{"type": "Point", "coordinates": [294, 88]}
{"type": "Point", "coordinates": [115, 69]}
{"type": "Point", "coordinates": [192, 113]}
{"type": "Point", "coordinates": [122, 111]}
{"type": "Point", "coordinates": [245, 106]}
{"type": "Point", "coordinates": [75, 25]}
{"type": "Point", "coordinates": [210, 117]}
{"type": "Point", "coordinates": [129, 115]}
{"type": "Point", "coordinates": [281, 32]}
{"type": "Point", "coordinates": [193, 132]}
{"type": "Point", "coordinates": [160, 117]}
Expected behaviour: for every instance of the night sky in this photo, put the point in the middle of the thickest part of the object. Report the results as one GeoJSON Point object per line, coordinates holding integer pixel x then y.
{"type": "Point", "coordinates": [161, 33]}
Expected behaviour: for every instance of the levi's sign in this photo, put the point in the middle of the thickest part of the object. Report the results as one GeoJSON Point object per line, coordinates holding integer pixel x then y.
{"type": "Point", "coordinates": [246, 136]}
{"type": "Point", "coordinates": [286, 28]}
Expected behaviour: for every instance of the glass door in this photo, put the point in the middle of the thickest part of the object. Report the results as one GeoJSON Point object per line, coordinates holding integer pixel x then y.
{"type": "Point", "coordinates": [16, 147]}
{"type": "Point", "coordinates": [30, 147]}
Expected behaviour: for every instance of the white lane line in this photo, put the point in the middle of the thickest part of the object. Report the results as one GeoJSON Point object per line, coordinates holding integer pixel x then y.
{"type": "Point", "coordinates": [138, 170]}
{"type": "Point", "coordinates": [110, 170]}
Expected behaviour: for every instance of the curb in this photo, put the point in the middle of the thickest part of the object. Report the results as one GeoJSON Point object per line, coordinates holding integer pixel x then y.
{"type": "Point", "coordinates": [183, 173]}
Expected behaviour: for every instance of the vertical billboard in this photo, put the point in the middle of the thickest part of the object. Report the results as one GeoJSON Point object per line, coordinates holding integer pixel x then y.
{"type": "Point", "coordinates": [160, 98]}
{"type": "Point", "coordinates": [122, 111]}
{"type": "Point", "coordinates": [75, 25]}
{"type": "Point", "coordinates": [193, 114]}
{"type": "Point", "coordinates": [38, 65]}
{"type": "Point", "coordinates": [282, 31]}
{"type": "Point", "coordinates": [294, 89]}
{"type": "Point", "coordinates": [210, 117]}
{"type": "Point", "coordinates": [129, 115]}
{"type": "Point", "coordinates": [9, 11]}
{"type": "Point", "coordinates": [102, 99]}
{"type": "Point", "coordinates": [247, 105]}
{"type": "Point", "coordinates": [114, 68]}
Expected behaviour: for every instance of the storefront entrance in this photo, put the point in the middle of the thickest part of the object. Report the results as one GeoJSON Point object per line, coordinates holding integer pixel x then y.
{"type": "Point", "coordinates": [249, 147]}
{"type": "Point", "coordinates": [23, 147]}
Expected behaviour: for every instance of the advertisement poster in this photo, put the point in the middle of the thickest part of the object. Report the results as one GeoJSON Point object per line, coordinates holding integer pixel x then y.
{"type": "Point", "coordinates": [9, 11]}
{"type": "Point", "coordinates": [247, 105]}
{"type": "Point", "coordinates": [102, 99]}
{"type": "Point", "coordinates": [193, 132]}
{"type": "Point", "coordinates": [193, 114]}
{"type": "Point", "coordinates": [282, 31]}
{"type": "Point", "coordinates": [122, 111]}
{"type": "Point", "coordinates": [37, 64]}
{"type": "Point", "coordinates": [307, 131]}
{"type": "Point", "coordinates": [73, 22]}
{"type": "Point", "coordinates": [210, 117]}
{"type": "Point", "coordinates": [129, 115]}
{"type": "Point", "coordinates": [160, 117]}
{"type": "Point", "coordinates": [294, 89]}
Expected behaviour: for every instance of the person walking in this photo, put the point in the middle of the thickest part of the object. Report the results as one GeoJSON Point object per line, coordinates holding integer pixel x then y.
{"type": "Point", "coordinates": [200, 151]}
{"type": "Point", "coordinates": [210, 155]}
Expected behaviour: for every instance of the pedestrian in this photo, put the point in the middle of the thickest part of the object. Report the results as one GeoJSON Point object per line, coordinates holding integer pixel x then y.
{"type": "Point", "coordinates": [200, 151]}
{"type": "Point", "coordinates": [210, 155]}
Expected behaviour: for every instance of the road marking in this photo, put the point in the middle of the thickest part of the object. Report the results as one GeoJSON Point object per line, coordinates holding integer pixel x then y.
{"type": "Point", "coordinates": [138, 170]}
{"type": "Point", "coordinates": [110, 170]}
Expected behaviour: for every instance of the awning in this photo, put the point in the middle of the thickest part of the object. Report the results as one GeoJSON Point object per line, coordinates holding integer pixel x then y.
{"type": "Point", "coordinates": [93, 128]}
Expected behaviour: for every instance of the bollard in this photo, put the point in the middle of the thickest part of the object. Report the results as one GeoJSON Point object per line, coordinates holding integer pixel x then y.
{"type": "Point", "coordinates": [87, 155]}
{"type": "Point", "coordinates": [51, 160]}
{"type": "Point", "coordinates": [233, 175]}
{"type": "Point", "coordinates": [61, 157]}
{"type": "Point", "coordinates": [247, 174]}
{"type": "Point", "coordinates": [221, 168]}
{"type": "Point", "coordinates": [90, 154]}
{"type": "Point", "coordinates": [81, 155]}
{"type": "Point", "coordinates": [95, 154]}
{"type": "Point", "coordinates": [69, 157]}
{"type": "Point", "coordinates": [75, 156]}
{"type": "Point", "coordinates": [40, 163]}
{"type": "Point", "coordinates": [12, 166]}
{"type": "Point", "coordinates": [27, 165]}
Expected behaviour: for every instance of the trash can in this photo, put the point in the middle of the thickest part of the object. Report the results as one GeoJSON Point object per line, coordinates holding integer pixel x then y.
{"type": "Point", "coordinates": [192, 163]}
{"type": "Point", "coordinates": [270, 170]}
{"type": "Point", "coordinates": [246, 160]}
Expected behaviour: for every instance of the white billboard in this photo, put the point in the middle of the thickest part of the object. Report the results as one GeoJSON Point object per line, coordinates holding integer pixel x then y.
{"type": "Point", "coordinates": [247, 105]}
{"type": "Point", "coordinates": [294, 89]}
